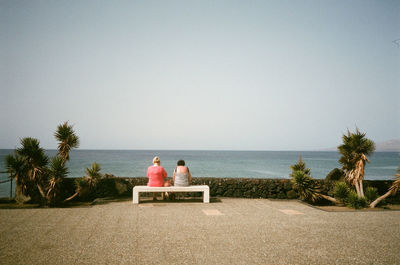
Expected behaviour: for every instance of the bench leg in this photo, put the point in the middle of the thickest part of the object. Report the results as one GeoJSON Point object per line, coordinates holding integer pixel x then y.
{"type": "Point", "coordinates": [135, 198]}
{"type": "Point", "coordinates": [206, 196]}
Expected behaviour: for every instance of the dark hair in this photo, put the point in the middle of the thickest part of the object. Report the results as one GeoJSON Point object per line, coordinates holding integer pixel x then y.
{"type": "Point", "coordinates": [180, 163]}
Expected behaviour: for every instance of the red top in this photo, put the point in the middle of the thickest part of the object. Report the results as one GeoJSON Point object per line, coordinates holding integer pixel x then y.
{"type": "Point", "coordinates": [156, 175]}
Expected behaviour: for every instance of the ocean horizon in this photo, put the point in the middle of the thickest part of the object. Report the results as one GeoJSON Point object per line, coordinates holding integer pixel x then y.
{"type": "Point", "coordinates": [214, 163]}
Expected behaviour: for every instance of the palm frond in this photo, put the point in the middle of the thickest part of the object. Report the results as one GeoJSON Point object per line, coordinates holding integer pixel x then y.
{"type": "Point", "coordinates": [300, 166]}
{"type": "Point", "coordinates": [93, 174]}
{"type": "Point", "coordinates": [57, 172]}
{"type": "Point", "coordinates": [67, 139]}
{"type": "Point", "coordinates": [354, 151]}
{"type": "Point", "coordinates": [57, 168]}
{"type": "Point", "coordinates": [35, 162]}
{"type": "Point", "coordinates": [32, 153]}
{"type": "Point", "coordinates": [307, 188]}
{"type": "Point", "coordinates": [15, 166]}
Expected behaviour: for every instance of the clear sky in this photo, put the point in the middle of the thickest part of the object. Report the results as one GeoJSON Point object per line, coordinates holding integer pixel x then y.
{"type": "Point", "coordinates": [225, 75]}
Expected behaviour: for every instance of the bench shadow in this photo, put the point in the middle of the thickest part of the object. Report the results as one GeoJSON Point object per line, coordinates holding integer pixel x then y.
{"type": "Point", "coordinates": [144, 200]}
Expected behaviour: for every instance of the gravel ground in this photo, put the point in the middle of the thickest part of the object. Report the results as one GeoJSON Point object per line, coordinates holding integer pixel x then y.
{"type": "Point", "coordinates": [226, 231]}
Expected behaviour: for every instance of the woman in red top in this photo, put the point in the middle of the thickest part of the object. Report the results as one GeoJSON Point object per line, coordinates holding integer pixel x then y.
{"type": "Point", "coordinates": [156, 175]}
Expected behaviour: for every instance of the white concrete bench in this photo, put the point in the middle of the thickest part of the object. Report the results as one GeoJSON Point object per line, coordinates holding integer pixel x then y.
{"type": "Point", "coordinates": [197, 188]}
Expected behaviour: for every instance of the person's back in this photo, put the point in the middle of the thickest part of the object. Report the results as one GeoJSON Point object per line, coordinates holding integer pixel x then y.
{"type": "Point", "coordinates": [182, 176]}
{"type": "Point", "coordinates": [156, 175]}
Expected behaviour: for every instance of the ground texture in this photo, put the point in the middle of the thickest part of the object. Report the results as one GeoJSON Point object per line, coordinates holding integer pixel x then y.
{"type": "Point", "coordinates": [226, 231]}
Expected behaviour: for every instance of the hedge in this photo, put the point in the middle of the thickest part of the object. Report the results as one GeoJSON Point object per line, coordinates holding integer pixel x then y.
{"type": "Point", "coordinates": [223, 187]}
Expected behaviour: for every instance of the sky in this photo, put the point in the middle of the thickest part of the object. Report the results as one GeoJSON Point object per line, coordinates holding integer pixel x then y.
{"type": "Point", "coordinates": [199, 75]}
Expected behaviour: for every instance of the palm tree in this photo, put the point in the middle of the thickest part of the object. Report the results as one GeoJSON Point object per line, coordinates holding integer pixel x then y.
{"type": "Point", "coordinates": [16, 170]}
{"type": "Point", "coordinates": [354, 151]}
{"type": "Point", "coordinates": [88, 182]}
{"type": "Point", "coordinates": [392, 190]}
{"type": "Point", "coordinates": [305, 185]}
{"type": "Point", "coordinates": [93, 175]}
{"type": "Point", "coordinates": [57, 173]}
{"type": "Point", "coordinates": [300, 166]}
{"type": "Point", "coordinates": [35, 162]}
{"type": "Point", "coordinates": [67, 140]}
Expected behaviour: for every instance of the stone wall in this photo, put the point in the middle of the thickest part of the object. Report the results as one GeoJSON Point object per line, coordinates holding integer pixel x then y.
{"type": "Point", "coordinates": [225, 187]}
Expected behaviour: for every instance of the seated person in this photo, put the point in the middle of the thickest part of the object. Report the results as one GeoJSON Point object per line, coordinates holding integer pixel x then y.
{"type": "Point", "coordinates": [181, 175]}
{"type": "Point", "coordinates": [156, 174]}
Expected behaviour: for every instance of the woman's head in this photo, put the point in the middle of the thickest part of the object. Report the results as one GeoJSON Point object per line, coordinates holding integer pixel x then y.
{"type": "Point", "coordinates": [180, 163]}
{"type": "Point", "coordinates": [156, 160]}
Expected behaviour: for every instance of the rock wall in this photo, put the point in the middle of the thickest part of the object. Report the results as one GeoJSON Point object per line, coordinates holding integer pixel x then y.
{"type": "Point", "coordinates": [226, 187]}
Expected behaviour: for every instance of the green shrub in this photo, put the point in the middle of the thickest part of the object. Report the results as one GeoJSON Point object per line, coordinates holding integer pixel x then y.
{"type": "Point", "coordinates": [105, 188]}
{"type": "Point", "coordinates": [352, 199]}
{"type": "Point", "coordinates": [336, 174]}
{"type": "Point", "coordinates": [371, 194]}
{"type": "Point", "coordinates": [362, 202]}
{"type": "Point", "coordinates": [355, 202]}
{"type": "Point", "coordinates": [80, 182]}
{"type": "Point", "coordinates": [341, 191]}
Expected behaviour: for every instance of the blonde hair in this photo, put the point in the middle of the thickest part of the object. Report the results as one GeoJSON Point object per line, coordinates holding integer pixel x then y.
{"type": "Point", "coordinates": [156, 160]}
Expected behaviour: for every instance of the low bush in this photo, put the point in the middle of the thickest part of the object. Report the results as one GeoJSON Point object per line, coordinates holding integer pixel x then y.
{"type": "Point", "coordinates": [336, 174]}
{"type": "Point", "coordinates": [371, 193]}
{"type": "Point", "coordinates": [355, 202]}
{"type": "Point", "coordinates": [341, 191]}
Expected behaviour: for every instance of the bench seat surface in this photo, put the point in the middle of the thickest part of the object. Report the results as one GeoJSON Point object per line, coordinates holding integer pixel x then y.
{"type": "Point", "coordinates": [200, 188]}
{"type": "Point", "coordinates": [171, 188]}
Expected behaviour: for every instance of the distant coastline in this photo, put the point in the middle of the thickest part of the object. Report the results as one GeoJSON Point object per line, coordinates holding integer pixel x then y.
{"type": "Point", "coordinates": [392, 145]}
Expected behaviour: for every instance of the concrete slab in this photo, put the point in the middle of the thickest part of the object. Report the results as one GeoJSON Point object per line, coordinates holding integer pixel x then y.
{"type": "Point", "coordinates": [212, 212]}
{"type": "Point", "coordinates": [290, 212]}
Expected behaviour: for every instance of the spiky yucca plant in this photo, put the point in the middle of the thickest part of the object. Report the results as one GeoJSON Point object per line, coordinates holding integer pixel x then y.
{"type": "Point", "coordinates": [354, 150]}
{"type": "Point", "coordinates": [29, 163]}
{"type": "Point", "coordinates": [300, 166]}
{"type": "Point", "coordinates": [88, 182]}
{"type": "Point", "coordinates": [305, 186]}
{"type": "Point", "coordinates": [67, 140]}
{"type": "Point", "coordinates": [16, 169]}
{"type": "Point", "coordinates": [35, 162]}
{"type": "Point", "coordinates": [93, 174]}
{"type": "Point", "coordinates": [57, 173]}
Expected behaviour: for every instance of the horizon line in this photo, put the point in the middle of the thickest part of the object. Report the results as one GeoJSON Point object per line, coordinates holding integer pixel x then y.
{"type": "Point", "coordinates": [164, 149]}
{"type": "Point", "coordinates": [208, 150]}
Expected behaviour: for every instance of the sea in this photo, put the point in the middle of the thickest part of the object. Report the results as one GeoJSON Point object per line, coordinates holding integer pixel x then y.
{"type": "Point", "coordinates": [221, 164]}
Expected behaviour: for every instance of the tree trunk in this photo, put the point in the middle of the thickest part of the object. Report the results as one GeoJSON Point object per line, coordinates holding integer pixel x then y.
{"type": "Point", "coordinates": [384, 196]}
{"type": "Point", "coordinates": [19, 196]}
{"type": "Point", "coordinates": [41, 191]}
{"type": "Point", "coordinates": [73, 196]}
{"type": "Point", "coordinates": [360, 182]}
{"type": "Point", "coordinates": [329, 198]}
{"type": "Point", "coordinates": [361, 188]}
{"type": "Point", "coordinates": [11, 189]}
{"type": "Point", "coordinates": [357, 189]}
